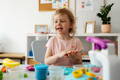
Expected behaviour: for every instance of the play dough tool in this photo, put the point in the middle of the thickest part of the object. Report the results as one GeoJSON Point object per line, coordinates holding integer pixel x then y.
{"type": "Point", "coordinates": [1, 75]}
{"type": "Point", "coordinates": [90, 74]}
{"type": "Point", "coordinates": [10, 63]}
{"type": "Point", "coordinates": [89, 79]}
{"type": "Point", "coordinates": [77, 73]}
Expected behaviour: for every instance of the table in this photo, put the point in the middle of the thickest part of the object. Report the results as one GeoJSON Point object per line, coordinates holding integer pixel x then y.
{"type": "Point", "coordinates": [19, 73]}
{"type": "Point", "coordinates": [18, 56]}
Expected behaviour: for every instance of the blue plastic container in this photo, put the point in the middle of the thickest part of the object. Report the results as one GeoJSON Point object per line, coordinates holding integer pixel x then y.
{"type": "Point", "coordinates": [41, 71]}
{"type": "Point", "coordinates": [30, 53]}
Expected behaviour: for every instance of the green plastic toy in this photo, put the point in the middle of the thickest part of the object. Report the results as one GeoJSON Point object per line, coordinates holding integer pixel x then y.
{"type": "Point", "coordinates": [1, 75]}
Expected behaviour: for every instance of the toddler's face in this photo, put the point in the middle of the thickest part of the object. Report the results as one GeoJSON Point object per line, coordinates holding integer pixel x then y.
{"type": "Point", "coordinates": [62, 24]}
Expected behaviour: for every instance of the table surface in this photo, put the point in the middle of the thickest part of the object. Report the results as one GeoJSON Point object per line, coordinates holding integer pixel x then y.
{"type": "Point", "coordinates": [19, 73]}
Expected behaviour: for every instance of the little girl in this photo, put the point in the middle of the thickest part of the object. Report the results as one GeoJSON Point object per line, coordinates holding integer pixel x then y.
{"type": "Point", "coordinates": [63, 49]}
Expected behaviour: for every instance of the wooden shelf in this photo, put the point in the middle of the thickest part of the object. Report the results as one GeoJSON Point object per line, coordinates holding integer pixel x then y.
{"type": "Point", "coordinates": [19, 56]}
{"type": "Point", "coordinates": [86, 34]}
{"type": "Point", "coordinates": [31, 61]}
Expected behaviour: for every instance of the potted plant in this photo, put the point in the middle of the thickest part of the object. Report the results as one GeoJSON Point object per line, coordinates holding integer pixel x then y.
{"type": "Point", "coordinates": [106, 20]}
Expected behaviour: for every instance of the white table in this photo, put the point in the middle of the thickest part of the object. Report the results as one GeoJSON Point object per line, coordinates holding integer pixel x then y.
{"type": "Point", "coordinates": [18, 74]}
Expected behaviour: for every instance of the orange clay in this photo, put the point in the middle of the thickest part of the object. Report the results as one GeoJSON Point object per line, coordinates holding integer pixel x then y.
{"type": "Point", "coordinates": [4, 69]}
{"type": "Point", "coordinates": [90, 74]}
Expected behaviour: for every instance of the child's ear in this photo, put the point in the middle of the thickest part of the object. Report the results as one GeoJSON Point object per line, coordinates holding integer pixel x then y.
{"type": "Point", "coordinates": [71, 25]}
{"type": "Point", "coordinates": [70, 29]}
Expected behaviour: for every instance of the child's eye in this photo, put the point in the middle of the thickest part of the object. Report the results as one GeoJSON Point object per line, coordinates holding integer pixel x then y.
{"type": "Point", "coordinates": [62, 21]}
{"type": "Point", "coordinates": [56, 22]}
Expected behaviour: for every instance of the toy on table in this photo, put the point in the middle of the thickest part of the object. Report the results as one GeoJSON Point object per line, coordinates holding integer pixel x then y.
{"type": "Point", "coordinates": [77, 73]}
{"type": "Point", "coordinates": [80, 75]}
{"type": "Point", "coordinates": [1, 75]}
{"type": "Point", "coordinates": [90, 74]}
{"type": "Point", "coordinates": [98, 42]}
{"type": "Point", "coordinates": [96, 69]}
{"type": "Point", "coordinates": [106, 58]}
{"type": "Point", "coordinates": [25, 75]}
{"type": "Point", "coordinates": [93, 68]}
{"type": "Point", "coordinates": [100, 46]}
{"type": "Point", "coordinates": [4, 69]}
{"type": "Point", "coordinates": [10, 63]}
{"type": "Point", "coordinates": [41, 71]}
{"type": "Point", "coordinates": [30, 68]}
{"type": "Point", "coordinates": [100, 77]}
{"type": "Point", "coordinates": [67, 70]}
{"type": "Point", "coordinates": [56, 72]}
{"type": "Point", "coordinates": [83, 73]}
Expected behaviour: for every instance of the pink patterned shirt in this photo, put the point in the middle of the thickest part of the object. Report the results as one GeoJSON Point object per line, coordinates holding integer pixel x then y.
{"type": "Point", "coordinates": [57, 45]}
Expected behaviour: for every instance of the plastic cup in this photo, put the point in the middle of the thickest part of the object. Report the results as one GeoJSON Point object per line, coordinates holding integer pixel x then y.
{"type": "Point", "coordinates": [56, 73]}
{"type": "Point", "coordinates": [75, 67]}
{"type": "Point", "coordinates": [41, 71]}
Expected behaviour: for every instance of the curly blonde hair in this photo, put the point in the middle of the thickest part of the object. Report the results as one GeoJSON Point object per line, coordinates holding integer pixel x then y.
{"type": "Point", "coordinates": [64, 11]}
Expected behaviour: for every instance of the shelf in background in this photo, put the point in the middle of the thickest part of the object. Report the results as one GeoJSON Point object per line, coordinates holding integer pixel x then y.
{"type": "Point", "coordinates": [82, 34]}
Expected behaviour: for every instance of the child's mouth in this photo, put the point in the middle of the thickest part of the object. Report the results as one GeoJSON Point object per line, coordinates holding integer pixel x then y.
{"type": "Point", "coordinates": [59, 28]}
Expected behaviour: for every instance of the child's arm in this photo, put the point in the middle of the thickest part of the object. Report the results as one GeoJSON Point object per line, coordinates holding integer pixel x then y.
{"type": "Point", "coordinates": [52, 59]}
{"type": "Point", "coordinates": [49, 58]}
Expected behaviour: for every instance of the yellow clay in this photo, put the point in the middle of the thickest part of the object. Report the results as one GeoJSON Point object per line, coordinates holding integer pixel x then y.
{"type": "Point", "coordinates": [10, 63]}
{"type": "Point", "coordinates": [77, 74]}
{"type": "Point", "coordinates": [84, 70]}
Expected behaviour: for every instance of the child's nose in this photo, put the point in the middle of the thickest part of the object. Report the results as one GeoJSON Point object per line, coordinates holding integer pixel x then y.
{"type": "Point", "coordinates": [59, 23]}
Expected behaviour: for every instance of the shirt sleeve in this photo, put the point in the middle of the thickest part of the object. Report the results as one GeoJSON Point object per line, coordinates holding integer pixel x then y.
{"type": "Point", "coordinates": [49, 44]}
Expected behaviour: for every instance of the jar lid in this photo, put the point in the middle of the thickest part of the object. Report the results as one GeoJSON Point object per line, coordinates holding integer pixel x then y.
{"type": "Point", "coordinates": [41, 66]}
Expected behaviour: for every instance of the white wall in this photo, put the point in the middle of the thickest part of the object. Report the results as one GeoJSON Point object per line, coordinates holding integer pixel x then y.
{"type": "Point", "coordinates": [18, 17]}
{"type": "Point", "coordinates": [88, 15]}
{"type": "Point", "coordinates": [115, 13]}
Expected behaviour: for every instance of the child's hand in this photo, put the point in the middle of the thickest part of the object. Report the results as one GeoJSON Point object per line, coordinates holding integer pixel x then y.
{"type": "Point", "coordinates": [71, 53]}
{"type": "Point", "coordinates": [63, 53]}
{"type": "Point", "coordinates": [75, 56]}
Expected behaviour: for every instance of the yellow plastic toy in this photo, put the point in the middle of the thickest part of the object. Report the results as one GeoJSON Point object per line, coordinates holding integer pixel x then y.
{"type": "Point", "coordinates": [77, 73]}
{"type": "Point", "coordinates": [89, 79]}
{"type": "Point", "coordinates": [90, 74]}
{"type": "Point", "coordinates": [10, 63]}
{"type": "Point", "coordinates": [84, 70]}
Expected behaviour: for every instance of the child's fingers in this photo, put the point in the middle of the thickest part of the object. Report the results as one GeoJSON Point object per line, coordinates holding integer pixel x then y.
{"type": "Point", "coordinates": [71, 52]}
{"type": "Point", "coordinates": [67, 52]}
